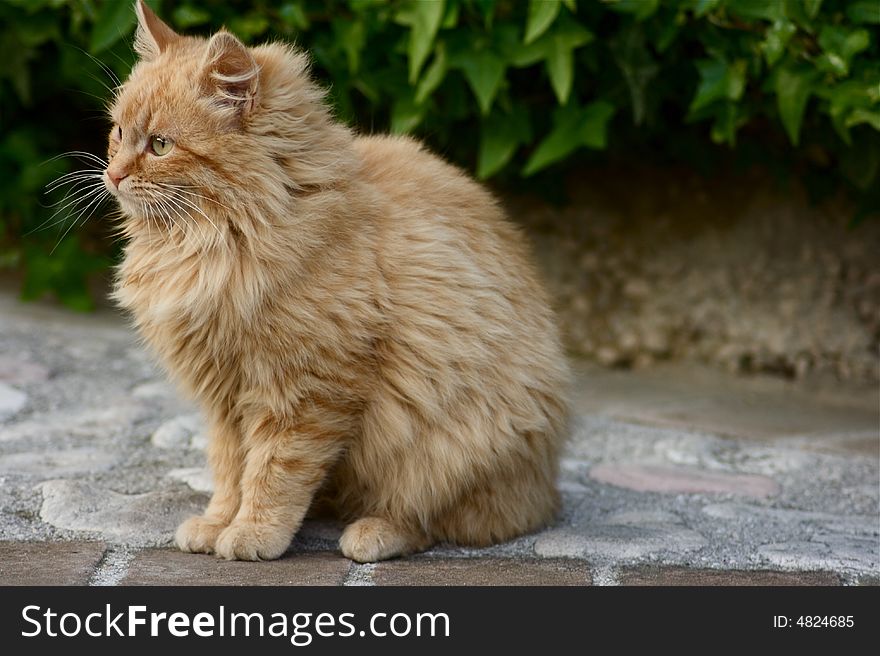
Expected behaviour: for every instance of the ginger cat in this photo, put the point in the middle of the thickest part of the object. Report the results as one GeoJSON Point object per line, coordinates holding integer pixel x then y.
{"type": "Point", "coordinates": [360, 324]}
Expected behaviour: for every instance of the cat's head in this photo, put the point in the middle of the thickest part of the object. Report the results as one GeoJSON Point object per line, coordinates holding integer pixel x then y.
{"type": "Point", "coordinates": [179, 120]}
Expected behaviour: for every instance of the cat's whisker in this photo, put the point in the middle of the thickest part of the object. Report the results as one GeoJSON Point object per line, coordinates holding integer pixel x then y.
{"type": "Point", "coordinates": [188, 203]}
{"type": "Point", "coordinates": [166, 217]}
{"type": "Point", "coordinates": [82, 195]}
{"type": "Point", "coordinates": [72, 177]}
{"type": "Point", "coordinates": [185, 217]}
{"type": "Point", "coordinates": [76, 186]}
{"type": "Point", "coordinates": [185, 189]}
{"type": "Point", "coordinates": [95, 195]}
{"type": "Point", "coordinates": [104, 67]}
{"type": "Point", "coordinates": [96, 201]}
{"type": "Point", "coordinates": [79, 154]}
{"type": "Point", "coordinates": [101, 198]}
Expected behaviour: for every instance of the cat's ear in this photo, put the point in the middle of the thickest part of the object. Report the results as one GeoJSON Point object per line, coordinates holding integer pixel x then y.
{"type": "Point", "coordinates": [231, 75]}
{"type": "Point", "coordinates": [152, 36]}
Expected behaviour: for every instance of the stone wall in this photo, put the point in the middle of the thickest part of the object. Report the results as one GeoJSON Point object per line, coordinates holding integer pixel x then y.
{"type": "Point", "coordinates": [656, 265]}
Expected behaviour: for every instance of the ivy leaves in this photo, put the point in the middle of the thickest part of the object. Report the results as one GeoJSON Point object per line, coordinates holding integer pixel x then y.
{"type": "Point", "coordinates": [549, 37]}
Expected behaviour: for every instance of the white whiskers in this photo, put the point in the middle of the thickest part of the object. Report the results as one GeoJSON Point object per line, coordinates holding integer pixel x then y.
{"type": "Point", "coordinates": [84, 193]}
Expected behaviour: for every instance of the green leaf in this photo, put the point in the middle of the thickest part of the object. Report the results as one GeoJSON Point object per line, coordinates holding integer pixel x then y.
{"type": "Point", "coordinates": [566, 34]}
{"type": "Point", "coordinates": [556, 47]}
{"type": "Point", "coordinates": [450, 19]}
{"type": "Point", "coordinates": [406, 115]}
{"type": "Point", "coordinates": [423, 17]}
{"type": "Point", "coordinates": [116, 20]}
{"type": "Point", "coordinates": [719, 80]}
{"type": "Point", "coordinates": [812, 7]}
{"type": "Point", "coordinates": [573, 127]}
{"type": "Point", "coordinates": [249, 26]}
{"type": "Point", "coordinates": [187, 16]}
{"type": "Point", "coordinates": [571, 5]}
{"type": "Point", "coordinates": [294, 16]}
{"type": "Point", "coordinates": [562, 141]}
{"type": "Point", "coordinates": [351, 36]}
{"type": "Point", "coordinates": [864, 12]}
{"type": "Point", "coordinates": [846, 98]}
{"type": "Point", "coordinates": [860, 165]}
{"type": "Point", "coordinates": [769, 10]}
{"type": "Point", "coordinates": [793, 86]}
{"type": "Point", "coordinates": [859, 116]}
{"type": "Point", "coordinates": [500, 135]}
{"type": "Point", "coordinates": [727, 121]}
{"type": "Point", "coordinates": [640, 9]}
{"type": "Point", "coordinates": [434, 74]}
{"type": "Point", "coordinates": [560, 68]}
{"type": "Point", "coordinates": [703, 7]}
{"type": "Point", "coordinates": [638, 66]}
{"type": "Point", "coordinates": [594, 127]}
{"type": "Point", "coordinates": [840, 45]}
{"type": "Point", "coordinates": [542, 13]}
{"type": "Point", "coordinates": [484, 72]}
{"type": "Point", "coordinates": [776, 39]}
{"type": "Point", "coordinates": [14, 58]}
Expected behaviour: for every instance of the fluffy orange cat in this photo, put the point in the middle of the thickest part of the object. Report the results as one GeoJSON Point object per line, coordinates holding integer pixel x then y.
{"type": "Point", "coordinates": [362, 327]}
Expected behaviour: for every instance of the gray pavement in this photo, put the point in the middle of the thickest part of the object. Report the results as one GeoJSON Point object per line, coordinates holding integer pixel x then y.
{"type": "Point", "coordinates": [676, 474]}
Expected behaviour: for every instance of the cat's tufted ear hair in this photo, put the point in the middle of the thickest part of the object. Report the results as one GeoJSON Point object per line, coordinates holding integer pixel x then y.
{"type": "Point", "coordinates": [152, 36]}
{"type": "Point", "coordinates": [231, 75]}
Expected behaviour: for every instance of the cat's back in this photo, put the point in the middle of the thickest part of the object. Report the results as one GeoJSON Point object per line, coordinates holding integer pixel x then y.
{"type": "Point", "coordinates": [435, 215]}
{"type": "Point", "coordinates": [416, 180]}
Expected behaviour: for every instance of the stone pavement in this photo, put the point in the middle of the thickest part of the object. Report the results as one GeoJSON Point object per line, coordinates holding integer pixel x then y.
{"type": "Point", "coordinates": [675, 475]}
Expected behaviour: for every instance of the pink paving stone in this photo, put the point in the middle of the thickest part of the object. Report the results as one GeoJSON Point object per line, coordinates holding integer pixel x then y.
{"type": "Point", "coordinates": [14, 370]}
{"type": "Point", "coordinates": [687, 480]}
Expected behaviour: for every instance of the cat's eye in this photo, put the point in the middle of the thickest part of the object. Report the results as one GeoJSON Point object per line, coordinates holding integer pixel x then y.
{"type": "Point", "coordinates": [160, 145]}
{"type": "Point", "coordinates": [117, 133]}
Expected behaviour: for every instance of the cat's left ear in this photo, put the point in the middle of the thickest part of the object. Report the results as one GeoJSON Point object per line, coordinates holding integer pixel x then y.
{"type": "Point", "coordinates": [153, 36]}
{"type": "Point", "coordinates": [231, 75]}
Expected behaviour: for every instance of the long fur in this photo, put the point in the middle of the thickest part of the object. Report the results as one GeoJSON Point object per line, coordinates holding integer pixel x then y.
{"type": "Point", "coordinates": [361, 325]}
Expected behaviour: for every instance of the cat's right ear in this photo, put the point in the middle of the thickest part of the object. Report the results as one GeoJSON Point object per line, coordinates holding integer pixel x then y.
{"type": "Point", "coordinates": [152, 36]}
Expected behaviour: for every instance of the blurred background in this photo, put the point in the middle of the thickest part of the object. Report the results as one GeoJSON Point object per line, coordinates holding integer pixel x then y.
{"type": "Point", "coordinates": [699, 177]}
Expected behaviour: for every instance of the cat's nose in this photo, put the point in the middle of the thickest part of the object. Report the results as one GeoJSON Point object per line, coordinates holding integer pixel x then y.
{"type": "Point", "coordinates": [116, 176]}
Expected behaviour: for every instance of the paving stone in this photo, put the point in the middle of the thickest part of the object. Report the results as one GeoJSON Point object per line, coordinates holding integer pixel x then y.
{"type": "Point", "coordinates": [623, 536]}
{"type": "Point", "coordinates": [832, 552]}
{"type": "Point", "coordinates": [198, 478]}
{"type": "Point", "coordinates": [58, 462]}
{"type": "Point", "coordinates": [171, 567]}
{"type": "Point", "coordinates": [19, 371]}
{"type": "Point", "coordinates": [483, 571]}
{"type": "Point", "coordinates": [821, 523]}
{"type": "Point", "coordinates": [178, 433]}
{"type": "Point", "coordinates": [133, 519]}
{"type": "Point", "coordinates": [654, 575]}
{"type": "Point", "coordinates": [48, 563]}
{"type": "Point", "coordinates": [695, 397]}
{"type": "Point", "coordinates": [688, 480]}
{"type": "Point", "coordinates": [11, 400]}
{"type": "Point", "coordinates": [111, 420]}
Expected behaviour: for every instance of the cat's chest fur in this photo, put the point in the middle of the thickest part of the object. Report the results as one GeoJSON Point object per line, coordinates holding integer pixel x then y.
{"type": "Point", "coordinates": [228, 332]}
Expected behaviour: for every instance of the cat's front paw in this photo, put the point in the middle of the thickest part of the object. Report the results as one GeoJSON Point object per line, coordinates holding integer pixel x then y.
{"type": "Point", "coordinates": [198, 534]}
{"type": "Point", "coordinates": [248, 541]}
{"type": "Point", "coordinates": [371, 539]}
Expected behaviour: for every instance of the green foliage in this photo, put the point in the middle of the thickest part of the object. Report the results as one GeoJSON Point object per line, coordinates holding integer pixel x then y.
{"type": "Point", "coordinates": [511, 88]}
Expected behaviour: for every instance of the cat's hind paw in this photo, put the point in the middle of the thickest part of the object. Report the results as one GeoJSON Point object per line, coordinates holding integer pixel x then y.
{"type": "Point", "coordinates": [198, 534]}
{"type": "Point", "coordinates": [249, 541]}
